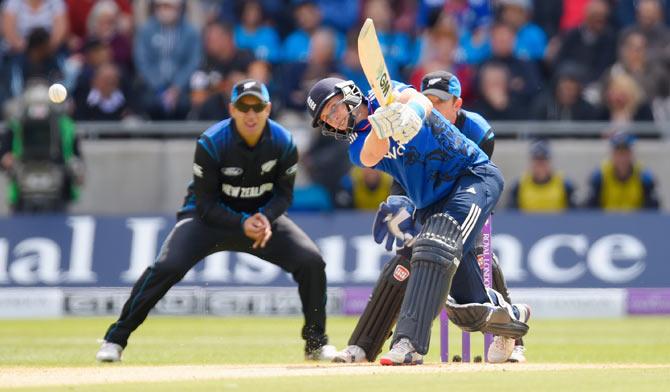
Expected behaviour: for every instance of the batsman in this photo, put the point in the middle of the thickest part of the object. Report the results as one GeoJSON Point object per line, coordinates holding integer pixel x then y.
{"type": "Point", "coordinates": [394, 223]}
{"type": "Point", "coordinates": [454, 187]}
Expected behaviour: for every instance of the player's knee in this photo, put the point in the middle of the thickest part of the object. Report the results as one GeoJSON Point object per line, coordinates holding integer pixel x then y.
{"type": "Point", "coordinates": [495, 264]}
{"type": "Point", "coordinates": [169, 266]}
{"type": "Point", "coordinates": [440, 241]}
{"type": "Point", "coordinates": [311, 260]}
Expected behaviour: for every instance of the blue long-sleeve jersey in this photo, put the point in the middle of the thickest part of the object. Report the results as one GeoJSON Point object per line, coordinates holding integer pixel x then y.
{"type": "Point", "coordinates": [473, 126]}
{"type": "Point", "coordinates": [429, 164]}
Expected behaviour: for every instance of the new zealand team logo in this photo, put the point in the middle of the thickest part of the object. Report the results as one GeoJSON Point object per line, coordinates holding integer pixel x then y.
{"type": "Point", "coordinates": [400, 273]}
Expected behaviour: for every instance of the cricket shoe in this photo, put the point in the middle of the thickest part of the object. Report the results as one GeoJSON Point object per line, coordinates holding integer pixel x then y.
{"type": "Point", "coordinates": [402, 353]}
{"type": "Point", "coordinates": [500, 350]}
{"type": "Point", "coordinates": [518, 355]}
{"type": "Point", "coordinates": [324, 353]}
{"type": "Point", "coordinates": [351, 354]}
{"type": "Point", "coordinates": [109, 352]}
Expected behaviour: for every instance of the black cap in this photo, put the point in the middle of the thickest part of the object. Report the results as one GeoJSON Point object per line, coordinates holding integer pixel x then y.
{"type": "Point", "coordinates": [441, 84]}
{"type": "Point", "coordinates": [250, 87]}
{"type": "Point", "coordinates": [320, 93]}
{"type": "Point", "coordinates": [573, 71]}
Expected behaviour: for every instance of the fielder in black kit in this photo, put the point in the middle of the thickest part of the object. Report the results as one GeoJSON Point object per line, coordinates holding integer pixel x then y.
{"type": "Point", "coordinates": [243, 175]}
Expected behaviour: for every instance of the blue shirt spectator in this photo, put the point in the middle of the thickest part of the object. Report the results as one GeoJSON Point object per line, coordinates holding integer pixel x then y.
{"type": "Point", "coordinates": [308, 18]}
{"type": "Point", "coordinates": [530, 38]}
{"type": "Point", "coordinates": [469, 14]}
{"type": "Point", "coordinates": [251, 34]}
{"type": "Point", "coordinates": [530, 42]}
{"type": "Point", "coordinates": [475, 47]}
{"type": "Point", "coordinates": [167, 51]}
{"type": "Point", "coordinates": [165, 55]}
{"type": "Point", "coordinates": [395, 46]}
{"type": "Point", "coordinates": [263, 42]}
{"type": "Point", "coordinates": [296, 46]}
{"type": "Point", "coordinates": [341, 15]}
{"type": "Point", "coordinates": [297, 78]}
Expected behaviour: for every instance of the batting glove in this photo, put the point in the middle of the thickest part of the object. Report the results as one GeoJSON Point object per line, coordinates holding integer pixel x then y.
{"type": "Point", "coordinates": [395, 222]}
{"type": "Point", "coordinates": [409, 124]}
{"type": "Point", "coordinates": [384, 119]}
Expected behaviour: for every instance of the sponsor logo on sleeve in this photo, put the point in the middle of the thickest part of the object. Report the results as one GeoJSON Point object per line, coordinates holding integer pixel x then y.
{"type": "Point", "coordinates": [197, 170]}
{"type": "Point", "coordinates": [292, 170]}
{"type": "Point", "coordinates": [231, 171]}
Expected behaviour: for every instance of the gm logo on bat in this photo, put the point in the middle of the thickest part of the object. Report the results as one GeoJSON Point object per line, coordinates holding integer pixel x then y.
{"type": "Point", "coordinates": [384, 83]}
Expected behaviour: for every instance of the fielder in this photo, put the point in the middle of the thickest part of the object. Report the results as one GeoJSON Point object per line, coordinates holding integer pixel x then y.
{"type": "Point", "coordinates": [454, 187]}
{"type": "Point", "coordinates": [394, 223]}
{"type": "Point", "coordinates": [243, 176]}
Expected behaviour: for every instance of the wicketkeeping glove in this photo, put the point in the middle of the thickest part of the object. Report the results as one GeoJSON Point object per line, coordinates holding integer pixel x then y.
{"type": "Point", "coordinates": [395, 222]}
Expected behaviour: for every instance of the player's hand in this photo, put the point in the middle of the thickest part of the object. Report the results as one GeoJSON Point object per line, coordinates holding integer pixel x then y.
{"type": "Point", "coordinates": [409, 124]}
{"type": "Point", "coordinates": [265, 233]}
{"type": "Point", "coordinates": [395, 222]}
{"type": "Point", "coordinates": [383, 120]}
{"type": "Point", "coordinates": [253, 227]}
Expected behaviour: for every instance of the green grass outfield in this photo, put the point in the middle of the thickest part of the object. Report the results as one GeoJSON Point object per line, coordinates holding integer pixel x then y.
{"type": "Point", "coordinates": [621, 354]}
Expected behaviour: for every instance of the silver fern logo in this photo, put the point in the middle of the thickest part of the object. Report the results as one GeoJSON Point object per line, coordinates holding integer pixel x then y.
{"type": "Point", "coordinates": [267, 166]}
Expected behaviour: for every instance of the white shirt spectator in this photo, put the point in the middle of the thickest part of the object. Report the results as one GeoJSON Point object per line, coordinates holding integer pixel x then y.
{"type": "Point", "coordinates": [28, 18]}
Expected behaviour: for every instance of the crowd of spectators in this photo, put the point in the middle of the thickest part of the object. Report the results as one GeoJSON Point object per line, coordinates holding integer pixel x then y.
{"type": "Point", "coordinates": [620, 183]}
{"type": "Point", "coordinates": [572, 60]}
{"type": "Point", "coordinates": [173, 59]}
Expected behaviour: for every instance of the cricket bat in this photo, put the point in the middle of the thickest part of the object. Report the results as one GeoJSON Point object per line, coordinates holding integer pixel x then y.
{"type": "Point", "coordinates": [372, 62]}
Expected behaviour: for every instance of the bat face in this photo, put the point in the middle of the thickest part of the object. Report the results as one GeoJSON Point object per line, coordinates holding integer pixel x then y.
{"type": "Point", "coordinates": [372, 62]}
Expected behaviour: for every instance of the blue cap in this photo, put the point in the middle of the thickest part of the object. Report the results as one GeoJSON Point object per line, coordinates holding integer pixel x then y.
{"type": "Point", "coordinates": [250, 87]}
{"type": "Point", "coordinates": [539, 149]}
{"type": "Point", "coordinates": [621, 139]}
{"type": "Point", "coordinates": [441, 84]}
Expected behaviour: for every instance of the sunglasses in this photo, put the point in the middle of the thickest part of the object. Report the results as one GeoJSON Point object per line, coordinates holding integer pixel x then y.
{"type": "Point", "coordinates": [244, 108]}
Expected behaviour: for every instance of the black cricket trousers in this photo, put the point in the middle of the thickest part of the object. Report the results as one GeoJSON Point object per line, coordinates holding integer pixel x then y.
{"type": "Point", "coordinates": [191, 240]}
